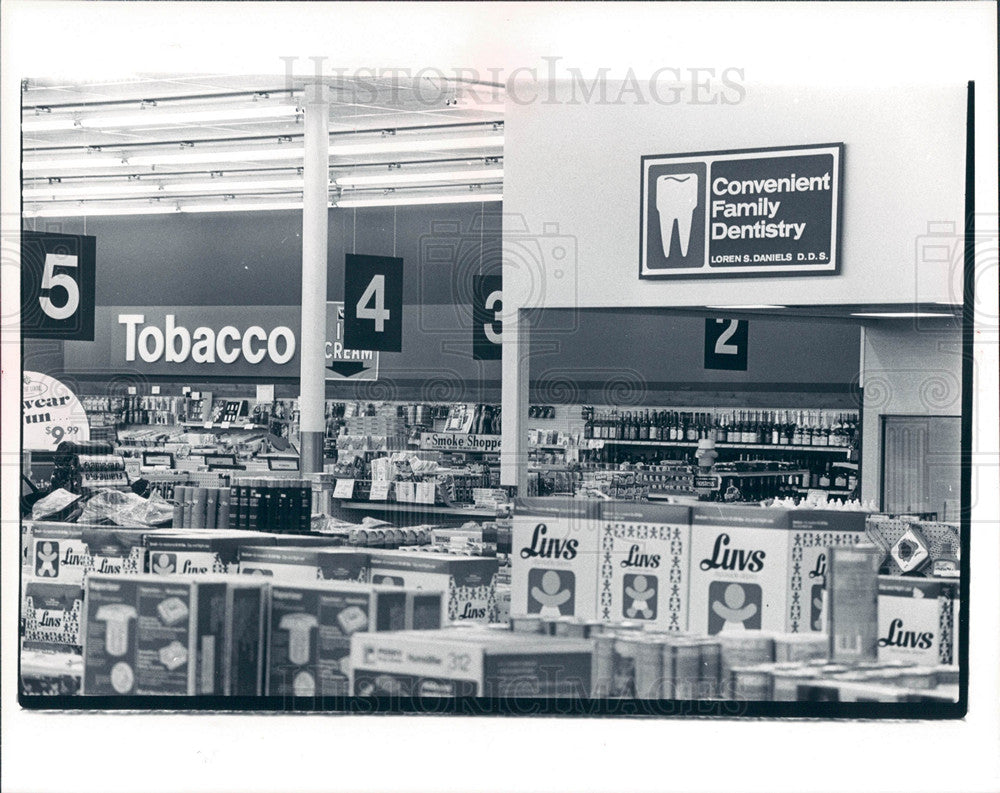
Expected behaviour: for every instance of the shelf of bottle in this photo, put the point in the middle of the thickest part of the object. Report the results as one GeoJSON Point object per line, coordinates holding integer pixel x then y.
{"type": "Point", "coordinates": [833, 491]}
{"type": "Point", "coordinates": [724, 445]}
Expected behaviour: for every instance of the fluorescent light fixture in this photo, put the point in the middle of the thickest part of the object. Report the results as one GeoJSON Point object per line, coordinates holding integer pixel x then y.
{"type": "Point", "coordinates": [150, 118]}
{"type": "Point", "coordinates": [394, 144]}
{"type": "Point", "coordinates": [241, 206]}
{"type": "Point", "coordinates": [72, 164]}
{"type": "Point", "coordinates": [747, 306]}
{"type": "Point", "coordinates": [391, 178]}
{"type": "Point", "coordinates": [89, 210]}
{"type": "Point", "coordinates": [208, 155]}
{"type": "Point", "coordinates": [57, 192]}
{"type": "Point", "coordinates": [900, 314]}
{"type": "Point", "coordinates": [391, 201]}
{"type": "Point", "coordinates": [233, 186]}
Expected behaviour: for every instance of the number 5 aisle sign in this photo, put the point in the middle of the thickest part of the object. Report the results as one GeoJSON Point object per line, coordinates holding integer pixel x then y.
{"type": "Point", "coordinates": [726, 344]}
{"type": "Point", "coordinates": [373, 303]}
{"type": "Point", "coordinates": [57, 285]}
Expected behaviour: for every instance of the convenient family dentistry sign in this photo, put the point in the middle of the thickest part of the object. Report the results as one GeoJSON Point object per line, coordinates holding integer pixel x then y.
{"type": "Point", "coordinates": [738, 213]}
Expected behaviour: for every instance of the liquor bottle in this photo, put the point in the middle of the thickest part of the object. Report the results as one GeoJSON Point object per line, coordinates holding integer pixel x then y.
{"type": "Point", "coordinates": [775, 439]}
{"type": "Point", "coordinates": [644, 427]}
{"type": "Point", "coordinates": [824, 477]}
{"type": "Point", "coordinates": [692, 428]}
{"type": "Point", "coordinates": [840, 479]}
{"type": "Point", "coordinates": [588, 427]}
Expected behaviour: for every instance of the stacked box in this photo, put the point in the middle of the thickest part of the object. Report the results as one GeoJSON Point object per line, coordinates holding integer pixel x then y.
{"type": "Point", "coordinates": [480, 663]}
{"type": "Point", "coordinates": [644, 560]}
{"type": "Point", "coordinates": [916, 620]}
{"type": "Point", "coordinates": [852, 598]}
{"type": "Point", "coordinates": [52, 614]}
{"type": "Point", "coordinates": [115, 550]}
{"type": "Point", "coordinates": [310, 629]}
{"type": "Point", "coordinates": [58, 552]}
{"type": "Point", "coordinates": [813, 533]}
{"type": "Point", "coordinates": [763, 569]}
{"type": "Point", "coordinates": [181, 636]}
{"type": "Point", "coordinates": [554, 557]}
{"type": "Point", "coordinates": [468, 582]}
{"type": "Point", "coordinates": [289, 563]}
{"type": "Point", "coordinates": [195, 553]}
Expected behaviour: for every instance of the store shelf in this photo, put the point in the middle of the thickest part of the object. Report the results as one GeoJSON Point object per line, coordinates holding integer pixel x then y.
{"type": "Point", "coordinates": [429, 509]}
{"type": "Point", "coordinates": [211, 425]}
{"type": "Point", "coordinates": [831, 490]}
{"type": "Point", "coordinates": [751, 446]}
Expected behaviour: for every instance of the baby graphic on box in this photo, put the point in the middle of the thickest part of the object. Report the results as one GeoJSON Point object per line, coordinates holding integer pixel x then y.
{"type": "Point", "coordinates": [735, 611]}
{"type": "Point", "coordinates": [551, 595]}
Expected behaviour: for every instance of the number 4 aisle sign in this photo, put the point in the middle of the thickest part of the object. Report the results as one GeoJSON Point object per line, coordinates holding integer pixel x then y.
{"type": "Point", "coordinates": [373, 303]}
{"type": "Point", "coordinates": [57, 285]}
{"type": "Point", "coordinates": [726, 344]}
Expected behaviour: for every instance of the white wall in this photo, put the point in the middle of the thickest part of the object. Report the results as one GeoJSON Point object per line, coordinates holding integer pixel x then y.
{"type": "Point", "coordinates": [906, 372]}
{"type": "Point", "coordinates": [576, 166]}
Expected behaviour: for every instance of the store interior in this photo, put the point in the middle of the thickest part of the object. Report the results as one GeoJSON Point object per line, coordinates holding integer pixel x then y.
{"type": "Point", "coordinates": [833, 450]}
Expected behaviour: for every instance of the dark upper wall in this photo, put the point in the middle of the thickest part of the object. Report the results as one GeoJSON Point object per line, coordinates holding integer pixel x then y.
{"type": "Point", "coordinates": [255, 259]}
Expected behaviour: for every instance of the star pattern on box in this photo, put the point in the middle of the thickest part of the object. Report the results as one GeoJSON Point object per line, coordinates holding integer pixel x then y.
{"type": "Point", "coordinates": [946, 626]}
{"type": "Point", "coordinates": [607, 568]}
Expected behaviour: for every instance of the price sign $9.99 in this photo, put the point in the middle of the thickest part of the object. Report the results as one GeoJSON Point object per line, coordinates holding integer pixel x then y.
{"type": "Point", "coordinates": [373, 303]}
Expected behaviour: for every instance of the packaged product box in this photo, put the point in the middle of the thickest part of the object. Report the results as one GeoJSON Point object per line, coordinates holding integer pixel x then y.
{"type": "Point", "coordinates": [57, 552]}
{"type": "Point", "coordinates": [148, 634]}
{"type": "Point", "coordinates": [53, 614]}
{"type": "Point", "coordinates": [310, 629]}
{"type": "Point", "coordinates": [193, 552]}
{"type": "Point", "coordinates": [289, 564]}
{"type": "Point", "coordinates": [763, 569]}
{"type": "Point", "coordinates": [916, 620]}
{"type": "Point", "coordinates": [114, 550]}
{"type": "Point", "coordinates": [480, 663]}
{"type": "Point", "coordinates": [644, 560]}
{"type": "Point", "coordinates": [301, 540]}
{"type": "Point", "coordinates": [813, 532]}
{"type": "Point", "coordinates": [852, 600]}
{"type": "Point", "coordinates": [739, 569]}
{"type": "Point", "coordinates": [555, 543]}
{"type": "Point", "coordinates": [468, 582]}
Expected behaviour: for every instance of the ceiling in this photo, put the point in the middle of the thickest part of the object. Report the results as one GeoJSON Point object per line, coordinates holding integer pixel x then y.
{"type": "Point", "coordinates": [221, 142]}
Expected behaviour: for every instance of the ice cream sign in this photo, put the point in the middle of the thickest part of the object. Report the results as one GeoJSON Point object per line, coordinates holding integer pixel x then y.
{"type": "Point", "coordinates": [740, 213]}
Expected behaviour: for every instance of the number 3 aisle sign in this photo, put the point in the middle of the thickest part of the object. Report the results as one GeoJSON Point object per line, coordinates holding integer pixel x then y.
{"type": "Point", "coordinates": [57, 286]}
{"type": "Point", "coordinates": [726, 344]}
{"type": "Point", "coordinates": [373, 303]}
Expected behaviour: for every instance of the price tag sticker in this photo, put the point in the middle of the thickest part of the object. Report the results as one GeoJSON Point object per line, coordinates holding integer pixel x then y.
{"type": "Point", "coordinates": [248, 426]}
{"type": "Point", "coordinates": [224, 425]}
{"type": "Point", "coordinates": [380, 490]}
{"type": "Point", "coordinates": [595, 443]}
{"type": "Point", "coordinates": [344, 488]}
{"type": "Point", "coordinates": [209, 425]}
{"type": "Point", "coordinates": [132, 390]}
{"type": "Point", "coordinates": [186, 389]}
{"type": "Point", "coordinates": [154, 389]}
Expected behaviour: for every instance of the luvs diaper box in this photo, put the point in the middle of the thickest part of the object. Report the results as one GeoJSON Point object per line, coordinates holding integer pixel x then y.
{"type": "Point", "coordinates": [554, 557]}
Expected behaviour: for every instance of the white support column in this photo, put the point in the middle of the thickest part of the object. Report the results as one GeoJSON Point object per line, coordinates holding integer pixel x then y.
{"type": "Point", "coordinates": [315, 217]}
{"type": "Point", "coordinates": [514, 402]}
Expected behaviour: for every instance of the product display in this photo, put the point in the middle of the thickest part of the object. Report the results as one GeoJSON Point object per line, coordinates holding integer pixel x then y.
{"type": "Point", "coordinates": [311, 625]}
{"type": "Point", "coordinates": [147, 634]}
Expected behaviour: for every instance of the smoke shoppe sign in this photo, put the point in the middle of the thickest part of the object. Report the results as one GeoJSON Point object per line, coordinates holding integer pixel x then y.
{"type": "Point", "coordinates": [740, 213]}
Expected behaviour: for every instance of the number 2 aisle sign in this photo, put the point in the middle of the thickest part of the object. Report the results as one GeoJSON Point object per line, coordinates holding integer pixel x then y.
{"type": "Point", "coordinates": [57, 285]}
{"type": "Point", "coordinates": [373, 303]}
{"type": "Point", "coordinates": [739, 213]}
{"type": "Point", "coordinates": [726, 344]}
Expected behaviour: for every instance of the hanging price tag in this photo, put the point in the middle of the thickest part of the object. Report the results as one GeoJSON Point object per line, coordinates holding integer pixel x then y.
{"type": "Point", "coordinates": [380, 490]}
{"type": "Point", "coordinates": [225, 425]}
{"type": "Point", "coordinates": [344, 488]}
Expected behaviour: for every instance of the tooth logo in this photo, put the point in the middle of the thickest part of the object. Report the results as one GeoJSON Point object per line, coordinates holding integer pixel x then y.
{"type": "Point", "coordinates": [676, 200]}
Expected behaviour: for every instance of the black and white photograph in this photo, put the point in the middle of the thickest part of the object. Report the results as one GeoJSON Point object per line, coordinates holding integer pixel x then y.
{"type": "Point", "coordinates": [457, 396]}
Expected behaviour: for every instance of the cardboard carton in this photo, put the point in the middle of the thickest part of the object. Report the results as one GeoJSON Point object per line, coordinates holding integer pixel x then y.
{"type": "Point", "coordinates": [916, 620]}
{"type": "Point", "coordinates": [288, 564]}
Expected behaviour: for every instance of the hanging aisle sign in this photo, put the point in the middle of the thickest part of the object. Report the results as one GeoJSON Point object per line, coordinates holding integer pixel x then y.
{"type": "Point", "coordinates": [742, 213]}
{"type": "Point", "coordinates": [487, 326]}
{"type": "Point", "coordinates": [50, 413]}
{"type": "Point", "coordinates": [373, 303]}
{"type": "Point", "coordinates": [343, 363]}
{"type": "Point", "coordinates": [726, 343]}
{"type": "Point", "coordinates": [57, 285]}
